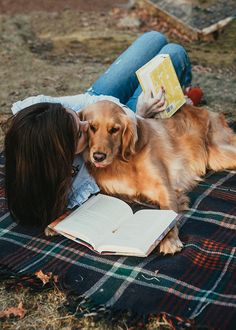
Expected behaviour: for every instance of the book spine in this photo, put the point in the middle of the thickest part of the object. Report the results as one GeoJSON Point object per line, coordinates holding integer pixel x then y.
{"type": "Point", "coordinates": [165, 232]}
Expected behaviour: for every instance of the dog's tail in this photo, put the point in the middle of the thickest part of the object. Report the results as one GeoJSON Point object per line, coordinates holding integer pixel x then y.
{"type": "Point", "coordinates": [221, 144]}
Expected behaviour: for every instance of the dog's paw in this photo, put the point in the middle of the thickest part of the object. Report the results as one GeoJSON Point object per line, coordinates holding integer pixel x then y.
{"type": "Point", "coordinates": [171, 246]}
{"type": "Point", "coordinates": [49, 232]}
{"type": "Point", "coordinates": [171, 243]}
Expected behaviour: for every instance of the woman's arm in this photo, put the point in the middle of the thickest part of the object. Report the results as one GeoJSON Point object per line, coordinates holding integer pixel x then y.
{"type": "Point", "coordinates": [74, 102]}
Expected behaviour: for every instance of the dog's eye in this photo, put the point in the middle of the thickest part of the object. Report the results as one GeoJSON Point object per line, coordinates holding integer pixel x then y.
{"type": "Point", "coordinates": [113, 130]}
{"type": "Point", "coordinates": [93, 128]}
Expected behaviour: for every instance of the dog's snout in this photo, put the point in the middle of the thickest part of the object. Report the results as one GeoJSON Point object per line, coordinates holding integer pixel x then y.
{"type": "Point", "coordinates": [99, 156]}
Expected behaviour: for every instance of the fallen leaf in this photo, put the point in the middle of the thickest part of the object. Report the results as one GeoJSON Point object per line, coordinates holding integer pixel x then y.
{"type": "Point", "coordinates": [13, 311]}
{"type": "Point", "coordinates": [45, 278]}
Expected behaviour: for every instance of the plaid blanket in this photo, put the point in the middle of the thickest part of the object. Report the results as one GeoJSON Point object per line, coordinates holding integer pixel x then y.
{"type": "Point", "coordinates": [196, 286]}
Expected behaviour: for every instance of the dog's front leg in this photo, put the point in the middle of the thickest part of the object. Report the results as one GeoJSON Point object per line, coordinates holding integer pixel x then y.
{"type": "Point", "coordinates": [167, 200]}
{"type": "Point", "coordinates": [171, 243]}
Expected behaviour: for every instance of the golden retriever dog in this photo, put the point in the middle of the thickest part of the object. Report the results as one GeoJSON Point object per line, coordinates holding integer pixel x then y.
{"type": "Point", "coordinates": [156, 160]}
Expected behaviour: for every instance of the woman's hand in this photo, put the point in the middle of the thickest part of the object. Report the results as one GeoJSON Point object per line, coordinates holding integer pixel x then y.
{"type": "Point", "coordinates": [148, 106]}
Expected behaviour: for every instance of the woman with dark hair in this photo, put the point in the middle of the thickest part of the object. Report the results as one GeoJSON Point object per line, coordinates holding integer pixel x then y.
{"type": "Point", "coordinates": [40, 147]}
{"type": "Point", "coordinates": [45, 172]}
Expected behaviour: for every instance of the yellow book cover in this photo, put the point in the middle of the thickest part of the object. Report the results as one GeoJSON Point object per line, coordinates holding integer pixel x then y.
{"type": "Point", "coordinates": [159, 72]}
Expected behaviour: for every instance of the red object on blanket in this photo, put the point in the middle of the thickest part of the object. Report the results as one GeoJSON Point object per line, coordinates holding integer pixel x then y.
{"type": "Point", "coordinates": [195, 94]}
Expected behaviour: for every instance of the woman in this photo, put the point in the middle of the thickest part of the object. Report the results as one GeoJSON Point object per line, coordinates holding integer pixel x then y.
{"type": "Point", "coordinates": [44, 170]}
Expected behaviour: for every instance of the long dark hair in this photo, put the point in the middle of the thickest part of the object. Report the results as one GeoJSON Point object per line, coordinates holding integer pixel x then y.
{"type": "Point", "coordinates": [39, 149]}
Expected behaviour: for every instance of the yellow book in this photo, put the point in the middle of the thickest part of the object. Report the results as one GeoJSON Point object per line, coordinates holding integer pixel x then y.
{"type": "Point", "coordinates": [159, 72]}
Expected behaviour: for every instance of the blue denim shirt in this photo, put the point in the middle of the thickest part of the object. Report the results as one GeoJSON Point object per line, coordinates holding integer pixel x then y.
{"type": "Point", "coordinates": [83, 184]}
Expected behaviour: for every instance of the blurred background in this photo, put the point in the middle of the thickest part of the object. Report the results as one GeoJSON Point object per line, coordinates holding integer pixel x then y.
{"type": "Point", "coordinates": [59, 47]}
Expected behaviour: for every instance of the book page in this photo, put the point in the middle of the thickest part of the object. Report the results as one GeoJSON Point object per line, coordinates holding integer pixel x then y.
{"type": "Point", "coordinates": [95, 219]}
{"type": "Point", "coordinates": [140, 231]}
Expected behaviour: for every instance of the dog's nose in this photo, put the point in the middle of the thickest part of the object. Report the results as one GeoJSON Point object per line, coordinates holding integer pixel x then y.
{"type": "Point", "coordinates": [99, 156]}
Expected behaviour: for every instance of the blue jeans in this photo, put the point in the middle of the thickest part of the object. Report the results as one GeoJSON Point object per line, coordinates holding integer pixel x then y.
{"type": "Point", "coordinates": [120, 80]}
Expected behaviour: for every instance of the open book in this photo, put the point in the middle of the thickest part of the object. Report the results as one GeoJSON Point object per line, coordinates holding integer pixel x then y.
{"type": "Point", "coordinates": [159, 72]}
{"type": "Point", "coordinates": [107, 225]}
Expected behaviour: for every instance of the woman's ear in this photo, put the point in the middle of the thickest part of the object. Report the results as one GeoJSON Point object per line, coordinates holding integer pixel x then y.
{"type": "Point", "coordinates": [129, 138]}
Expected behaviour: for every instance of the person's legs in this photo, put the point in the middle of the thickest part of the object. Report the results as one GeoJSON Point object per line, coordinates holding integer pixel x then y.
{"type": "Point", "coordinates": [120, 79]}
{"type": "Point", "coordinates": [180, 61]}
{"type": "Point", "coordinates": [182, 67]}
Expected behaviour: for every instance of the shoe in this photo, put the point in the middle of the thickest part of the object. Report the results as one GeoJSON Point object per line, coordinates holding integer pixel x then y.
{"type": "Point", "coordinates": [195, 94]}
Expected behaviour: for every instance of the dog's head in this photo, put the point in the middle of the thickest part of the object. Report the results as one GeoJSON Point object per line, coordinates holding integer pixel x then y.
{"type": "Point", "coordinates": [112, 133]}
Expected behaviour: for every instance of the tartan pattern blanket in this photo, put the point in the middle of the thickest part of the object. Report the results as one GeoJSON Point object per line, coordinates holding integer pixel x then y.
{"type": "Point", "coordinates": [196, 286]}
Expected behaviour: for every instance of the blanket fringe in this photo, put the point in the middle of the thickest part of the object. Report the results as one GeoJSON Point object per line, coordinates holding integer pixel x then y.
{"type": "Point", "coordinates": [85, 307]}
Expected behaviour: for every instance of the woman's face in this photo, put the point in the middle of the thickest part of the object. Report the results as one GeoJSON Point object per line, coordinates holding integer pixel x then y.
{"type": "Point", "coordinates": [82, 127]}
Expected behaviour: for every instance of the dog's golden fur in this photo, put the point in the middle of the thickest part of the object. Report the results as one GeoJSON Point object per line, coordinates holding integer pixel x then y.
{"type": "Point", "coordinates": [156, 161]}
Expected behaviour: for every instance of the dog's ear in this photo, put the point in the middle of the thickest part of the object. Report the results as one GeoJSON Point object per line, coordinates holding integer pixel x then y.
{"type": "Point", "coordinates": [129, 138]}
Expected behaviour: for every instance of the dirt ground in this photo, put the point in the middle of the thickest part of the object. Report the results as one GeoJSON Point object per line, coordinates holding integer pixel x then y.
{"type": "Point", "coordinates": [13, 7]}
{"type": "Point", "coordinates": [59, 48]}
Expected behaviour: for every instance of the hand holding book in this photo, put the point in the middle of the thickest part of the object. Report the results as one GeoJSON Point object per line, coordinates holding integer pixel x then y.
{"type": "Point", "coordinates": [149, 105]}
{"type": "Point", "coordinates": [159, 72]}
